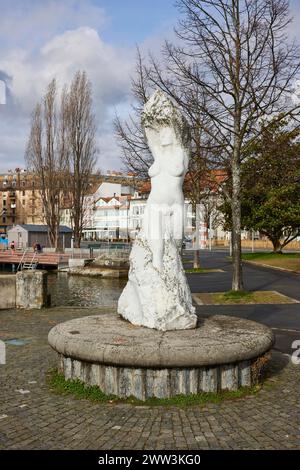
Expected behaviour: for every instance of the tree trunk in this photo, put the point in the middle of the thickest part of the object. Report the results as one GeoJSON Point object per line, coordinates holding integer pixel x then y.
{"type": "Point", "coordinates": [196, 262]}
{"type": "Point", "coordinates": [57, 240]}
{"type": "Point", "coordinates": [76, 233]}
{"type": "Point", "coordinates": [237, 278]}
{"type": "Point", "coordinates": [77, 240]}
{"type": "Point", "coordinates": [277, 247]}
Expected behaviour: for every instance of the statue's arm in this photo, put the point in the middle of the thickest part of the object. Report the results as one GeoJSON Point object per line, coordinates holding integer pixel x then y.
{"type": "Point", "coordinates": [180, 163]}
{"type": "Point", "coordinates": [154, 169]}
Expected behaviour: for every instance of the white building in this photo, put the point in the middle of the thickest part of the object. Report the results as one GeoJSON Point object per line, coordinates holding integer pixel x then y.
{"type": "Point", "coordinates": [115, 211]}
{"type": "Point", "coordinates": [110, 219]}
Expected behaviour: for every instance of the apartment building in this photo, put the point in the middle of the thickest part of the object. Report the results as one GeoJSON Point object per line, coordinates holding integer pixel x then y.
{"type": "Point", "coordinates": [106, 214]}
{"type": "Point", "coordinates": [20, 201]}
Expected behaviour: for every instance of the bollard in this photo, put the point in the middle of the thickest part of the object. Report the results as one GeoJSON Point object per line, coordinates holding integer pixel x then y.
{"type": "Point", "coordinates": [31, 289]}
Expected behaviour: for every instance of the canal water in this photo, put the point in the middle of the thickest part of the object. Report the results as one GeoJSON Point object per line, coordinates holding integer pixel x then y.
{"type": "Point", "coordinates": [82, 291]}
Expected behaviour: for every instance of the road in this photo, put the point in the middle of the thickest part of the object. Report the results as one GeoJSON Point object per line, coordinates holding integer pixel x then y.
{"type": "Point", "coordinates": [283, 319]}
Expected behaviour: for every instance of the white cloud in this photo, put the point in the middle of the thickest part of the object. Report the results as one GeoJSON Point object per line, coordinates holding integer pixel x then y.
{"type": "Point", "coordinates": [32, 22]}
{"type": "Point", "coordinates": [30, 72]}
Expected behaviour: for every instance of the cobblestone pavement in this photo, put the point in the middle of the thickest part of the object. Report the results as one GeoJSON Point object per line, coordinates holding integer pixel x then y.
{"type": "Point", "coordinates": [33, 417]}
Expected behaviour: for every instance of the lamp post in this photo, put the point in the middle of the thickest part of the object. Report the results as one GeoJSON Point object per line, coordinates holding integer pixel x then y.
{"type": "Point", "coordinates": [127, 211]}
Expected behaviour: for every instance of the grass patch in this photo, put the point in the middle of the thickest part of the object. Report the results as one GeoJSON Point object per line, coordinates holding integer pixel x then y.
{"type": "Point", "coordinates": [289, 261]}
{"type": "Point", "coordinates": [236, 295]}
{"type": "Point", "coordinates": [242, 297]}
{"type": "Point", "coordinates": [280, 256]}
{"type": "Point", "coordinates": [202, 270]}
{"type": "Point", "coordinates": [58, 384]}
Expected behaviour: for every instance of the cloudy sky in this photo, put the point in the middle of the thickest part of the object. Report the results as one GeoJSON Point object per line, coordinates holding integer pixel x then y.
{"type": "Point", "coordinates": [43, 39]}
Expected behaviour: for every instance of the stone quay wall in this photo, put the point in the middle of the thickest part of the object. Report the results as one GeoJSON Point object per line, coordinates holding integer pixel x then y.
{"type": "Point", "coordinates": [7, 291]}
{"type": "Point", "coordinates": [26, 289]}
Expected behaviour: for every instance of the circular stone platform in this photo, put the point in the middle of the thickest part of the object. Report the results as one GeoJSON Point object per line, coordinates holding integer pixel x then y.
{"type": "Point", "coordinates": [222, 353]}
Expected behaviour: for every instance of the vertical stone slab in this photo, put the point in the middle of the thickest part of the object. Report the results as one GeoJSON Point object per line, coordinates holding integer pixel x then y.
{"type": "Point", "coordinates": [68, 368]}
{"type": "Point", "coordinates": [150, 373]}
{"type": "Point", "coordinates": [245, 374]}
{"type": "Point", "coordinates": [77, 371]}
{"type": "Point", "coordinates": [174, 381]}
{"type": "Point", "coordinates": [61, 363]}
{"type": "Point", "coordinates": [31, 289]}
{"type": "Point", "coordinates": [161, 385]}
{"type": "Point", "coordinates": [193, 381]}
{"type": "Point", "coordinates": [184, 381]}
{"type": "Point", "coordinates": [229, 377]}
{"type": "Point", "coordinates": [138, 384]}
{"type": "Point", "coordinates": [209, 380]}
{"type": "Point", "coordinates": [94, 374]}
{"type": "Point", "coordinates": [111, 380]}
{"type": "Point", "coordinates": [100, 375]}
{"type": "Point", "coordinates": [125, 382]}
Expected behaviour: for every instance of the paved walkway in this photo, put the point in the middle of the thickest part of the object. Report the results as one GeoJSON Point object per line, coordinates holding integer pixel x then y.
{"type": "Point", "coordinates": [41, 419]}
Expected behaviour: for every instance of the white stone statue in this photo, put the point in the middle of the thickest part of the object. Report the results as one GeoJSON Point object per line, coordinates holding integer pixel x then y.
{"type": "Point", "coordinates": [157, 294]}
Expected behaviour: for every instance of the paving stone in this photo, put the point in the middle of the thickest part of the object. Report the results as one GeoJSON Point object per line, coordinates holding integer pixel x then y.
{"type": "Point", "coordinates": [51, 421]}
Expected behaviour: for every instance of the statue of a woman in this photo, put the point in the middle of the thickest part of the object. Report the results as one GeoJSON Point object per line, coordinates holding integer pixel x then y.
{"type": "Point", "coordinates": [157, 294]}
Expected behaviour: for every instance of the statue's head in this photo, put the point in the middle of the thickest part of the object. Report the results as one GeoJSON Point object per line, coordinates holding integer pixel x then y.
{"type": "Point", "coordinates": [160, 115]}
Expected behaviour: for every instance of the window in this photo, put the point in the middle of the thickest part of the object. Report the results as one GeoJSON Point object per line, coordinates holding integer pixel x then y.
{"type": "Point", "coordinates": [23, 193]}
{"type": "Point", "coordinates": [4, 202]}
{"type": "Point", "coordinates": [4, 220]}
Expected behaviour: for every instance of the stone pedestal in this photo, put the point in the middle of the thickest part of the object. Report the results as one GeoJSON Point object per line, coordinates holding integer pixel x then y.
{"type": "Point", "coordinates": [222, 353]}
{"type": "Point", "coordinates": [31, 289]}
{"type": "Point", "coordinates": [7, 291]}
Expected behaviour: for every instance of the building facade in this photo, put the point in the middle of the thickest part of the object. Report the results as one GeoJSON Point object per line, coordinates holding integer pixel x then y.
{"type": "Point", "coordinates": [20, 201]}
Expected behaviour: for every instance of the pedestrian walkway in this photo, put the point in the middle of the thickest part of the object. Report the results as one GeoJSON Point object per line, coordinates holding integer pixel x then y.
{"type": "Point", "coordinates": [33, 417]}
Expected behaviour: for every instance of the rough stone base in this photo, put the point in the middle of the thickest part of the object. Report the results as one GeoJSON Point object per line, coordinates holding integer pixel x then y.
{"type": "Point", "coordinates": [79, 262]}
{"type": "Point", "coordinates": [95, 271]}
{"type": "Point", "coordinates": [161, 383]}
{"type": "Point", "coordinates": [31, 289]}
{"type": "Point", "coordinates": [223, 353]}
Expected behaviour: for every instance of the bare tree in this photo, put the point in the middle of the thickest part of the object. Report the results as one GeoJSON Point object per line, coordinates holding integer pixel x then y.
{"type": "Point", "coordinates": [136, 155]}
{"type": "Point", "coordinates": [80, 129]}
{"type": "Point", "coordinates": [233, 67]}
{"type": "Point", "coordinates": [237, 53]}
{"type": "Point", "coordinates": [46, 156]}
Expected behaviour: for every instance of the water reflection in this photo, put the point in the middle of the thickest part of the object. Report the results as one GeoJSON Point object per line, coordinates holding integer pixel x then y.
{"type": "Point", "coordinates": [83, 291]}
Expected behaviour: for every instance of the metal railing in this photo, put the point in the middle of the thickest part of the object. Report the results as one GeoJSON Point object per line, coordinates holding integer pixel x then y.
{"type": "Point", "coordinates": [32, 264]}
{"type": "Point", "coordinates": [22, 259]}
